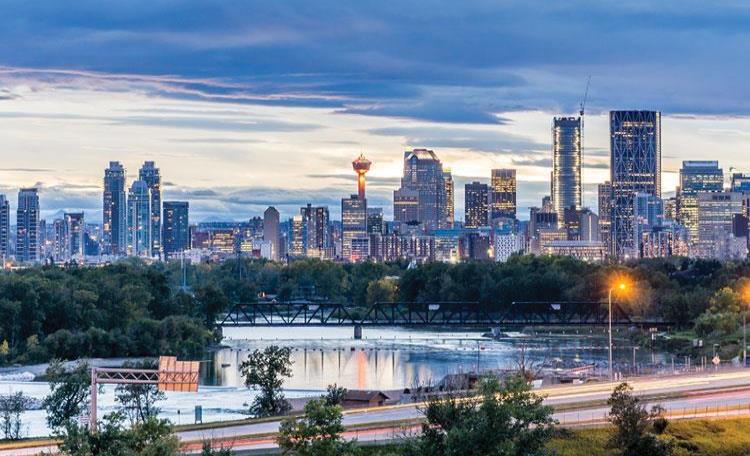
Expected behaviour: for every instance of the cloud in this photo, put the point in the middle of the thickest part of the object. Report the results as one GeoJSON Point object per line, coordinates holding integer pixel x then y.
{"type": "Point", "coordinates": [457, 137]}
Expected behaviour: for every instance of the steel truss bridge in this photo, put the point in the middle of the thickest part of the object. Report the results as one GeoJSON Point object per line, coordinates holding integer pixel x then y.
{"type": "Point", "coordinates": [431, 314]}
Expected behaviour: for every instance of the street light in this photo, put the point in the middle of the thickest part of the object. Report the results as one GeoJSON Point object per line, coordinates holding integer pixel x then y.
{"type": "Point", "coordinates": [619, 285]}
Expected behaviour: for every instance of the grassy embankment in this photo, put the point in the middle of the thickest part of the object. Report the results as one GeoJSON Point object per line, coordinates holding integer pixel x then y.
{"type": "Point", "coordinates": [722, 437]}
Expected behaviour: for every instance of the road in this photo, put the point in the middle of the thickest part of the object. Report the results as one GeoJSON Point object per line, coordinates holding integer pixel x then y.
{"type": "Point", "coordinates": [684, 396]}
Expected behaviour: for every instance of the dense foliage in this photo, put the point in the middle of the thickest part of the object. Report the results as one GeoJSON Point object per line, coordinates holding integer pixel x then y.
{"type": "Point", "coordinates": [505, 419]}
{"type": "Point", "coordinates": [133, 309]}
{"type": "Point", "coordinates": [316, 433]}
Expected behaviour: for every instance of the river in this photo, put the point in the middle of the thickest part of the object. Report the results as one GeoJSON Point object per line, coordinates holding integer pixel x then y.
{"type": "Point", "coordinates": [384, 359]}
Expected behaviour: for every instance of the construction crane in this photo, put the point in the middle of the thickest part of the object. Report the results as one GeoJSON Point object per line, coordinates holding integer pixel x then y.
{"type": "Point", "coordinates": [581, 112]}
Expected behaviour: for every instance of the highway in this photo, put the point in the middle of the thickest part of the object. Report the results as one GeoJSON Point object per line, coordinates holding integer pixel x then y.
{"type": "Point", "coordinates": [705, 394]}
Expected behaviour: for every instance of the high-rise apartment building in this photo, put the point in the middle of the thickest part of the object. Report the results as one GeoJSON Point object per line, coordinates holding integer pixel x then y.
{"type": "Point", "coordinates": [353, 227]}
{"type": "Point", "coordinates": [296, 237]}
{"type": "Point", "coordinates": [139, 220]}
{"type": "Point", "coordinates": [114, 213]}
{"type": "Point", "coordinates": [271, 231]}
{"type": "Point", "coordinates": [696, 177]}
{"type": "Point", "coordinates": [567, 150]}
{"type": "Point", "coordinates": [149, 174]}
{"type": "Point", "coordinates": [4, 229]}
{"type": "Point", "coordinates": [476, 205]}
{"type": "Point", "coordinates": [423, 180]}
{"type": "Point", "coordinates": [317, 231]}
{"type": "Point", "coordinates": [175, 228]}
{"type": "Point", "coordinates": [635, 154]}
{"type": "Point", "coordinates": [503, 188]}
{"type": "Point", "coordinates": [375, 221]}
{"type": "Point", "coordinates": [27, 225]}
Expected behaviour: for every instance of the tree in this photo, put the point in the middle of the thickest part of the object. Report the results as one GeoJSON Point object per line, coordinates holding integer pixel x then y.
{"type": "Point", "coordinates": [316, 433]}
{"type": "Point", "coordinates": [152, 437]}
{"type": "Point", "coordinates": [633, 423]}
{"type": "Point", "coordinates": [382, 290]}
{"type": "Point", "coordinates": [265, 370]}
{"type": "Point", "coordinates": [139, 401]}
{"type": "Point", "coordinates": [11, 408]}
{"type": "Point", "coordinates": [69, 393]}
{"type": "Point", "coordinates": [335, 395]}
{"type": "Point", "coordinates": [505, 419]}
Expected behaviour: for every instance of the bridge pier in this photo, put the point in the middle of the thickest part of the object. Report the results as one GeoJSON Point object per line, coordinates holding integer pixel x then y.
{"type": "Point", "coordinates": [357, 332]}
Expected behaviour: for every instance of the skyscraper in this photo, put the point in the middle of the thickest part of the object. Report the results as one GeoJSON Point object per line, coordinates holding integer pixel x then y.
{"type": "Point", "coordinates": [503, 194]}
{"type": "Point", "coordinates": [271, 231]}
{"type": "Point", "coordinates": [566, 164]}
{"type": "Point", "coordinates": [74, 228]}
{"type": "Point", "coordinates": [296, 237]}
{"type": "Point", "coordinates": [175, 228]}
{"type": "Point", "coordinates": [27, 225]}
{"type": "Point", "coordinates": [149, 174]}
{"type": "Point", "coordinates": [4, 229]}
{"type": "Point", "coordinates": [605, 214]}
{"type": "Point", "coordinates": [696, 177]}
{"type": "Point", "coordinates": [476, 205]}
{"type": "Point", "coordinates": [635, 148]}
{"type": "Point", "coordinates": [353, 226]}
{"type": "Point", "coordinates": [139, 220]}
{"type": "Point", "coordinates": [450, 207]}
{"type": "Point", "coordinates": [423, 177]}
{"type": "Point", "coordinates": [740, 182]}
{"type": "Point", "coordinates": [114, 214]}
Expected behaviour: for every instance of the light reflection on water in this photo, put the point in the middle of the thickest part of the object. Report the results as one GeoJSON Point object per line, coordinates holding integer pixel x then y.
{"type": "Point", "coordinates": [395, 358]}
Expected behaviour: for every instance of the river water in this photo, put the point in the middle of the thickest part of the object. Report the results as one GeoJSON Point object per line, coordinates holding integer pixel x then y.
{"type": "Point", "coordinates": [385, 359]}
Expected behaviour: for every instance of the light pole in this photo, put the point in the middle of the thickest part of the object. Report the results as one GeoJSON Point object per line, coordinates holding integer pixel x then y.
{"type": "Point", "coordinates": [620, 286]}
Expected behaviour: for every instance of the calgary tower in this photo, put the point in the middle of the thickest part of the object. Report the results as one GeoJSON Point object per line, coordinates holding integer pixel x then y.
{"type": "Point", "coordinates": [361, 165]}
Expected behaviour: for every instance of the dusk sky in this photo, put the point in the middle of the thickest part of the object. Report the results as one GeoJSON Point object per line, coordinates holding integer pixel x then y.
{"type": "Point", "coordinates": [246, 104]}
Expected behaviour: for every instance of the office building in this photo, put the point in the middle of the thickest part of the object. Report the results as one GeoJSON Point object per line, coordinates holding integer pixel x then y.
{"type": "Point", "coordinates": [590, 251]}
{"type": "Point", "coordinates": [740, 182]}
{"type": "Point", "coordinates": [716, 214]}
{"type": "Point", "coordinates": [296, 237]}
{"type": "Point", "coordinates": [503, 194]}
{"type": "Point", "coordinates": [588, 226]}
{"type": "Point", "coordinates": [476, 205]}
{"type": "Point", "coordinates": [149, 174]}
{"type": "Point", "coordinates": [635, 167]}
{"type": "Point", "coordinates": [271, 231]}
{"type": "Point", "coordinates": [506, 243]}
{"type": "Point", "coordinates": [605, 213]}
{"type": "Point", "coordinates": [4, 229]}
{"type": "Point", "coordinates": [375, 221]}
{"type": "Point", "coordinates": [567, 150]}
{"type": "Point", "coordinates": [696, 177]}
{"type": "Point", "coordinates": [175, 228]}
{"type": "Point", "coordinates": [423, 180]}
{"type": "Point", "coordinates": [74, 230]}
{"type": "Point", "coordinates": [114, 213]}
{"type": "Point", "coordinates": [139, 220]}
{"type": "Point", "coordinates": [450, 192]}
{"type": "Point", "coordinates": [353, 226]}
{"type": "Point", "coordinates": [406, 205]}
{"type": "Point", "coordinates": [27, 225]}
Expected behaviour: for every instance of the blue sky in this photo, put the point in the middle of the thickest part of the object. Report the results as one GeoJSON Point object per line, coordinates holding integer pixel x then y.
{"type": "Point", "coordinates": [247, 103]}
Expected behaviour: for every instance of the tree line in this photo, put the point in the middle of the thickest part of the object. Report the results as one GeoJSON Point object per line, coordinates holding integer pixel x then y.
{"type": "Point", "coordinates": [131, 309]}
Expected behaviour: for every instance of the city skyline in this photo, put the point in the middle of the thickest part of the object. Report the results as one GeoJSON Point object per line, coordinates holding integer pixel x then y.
{"type": "Point", "coordinates": [268, 108]}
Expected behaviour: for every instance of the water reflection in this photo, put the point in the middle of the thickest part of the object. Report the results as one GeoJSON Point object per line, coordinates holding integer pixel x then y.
{"type": "Point", "coordinates": [394, 358]}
